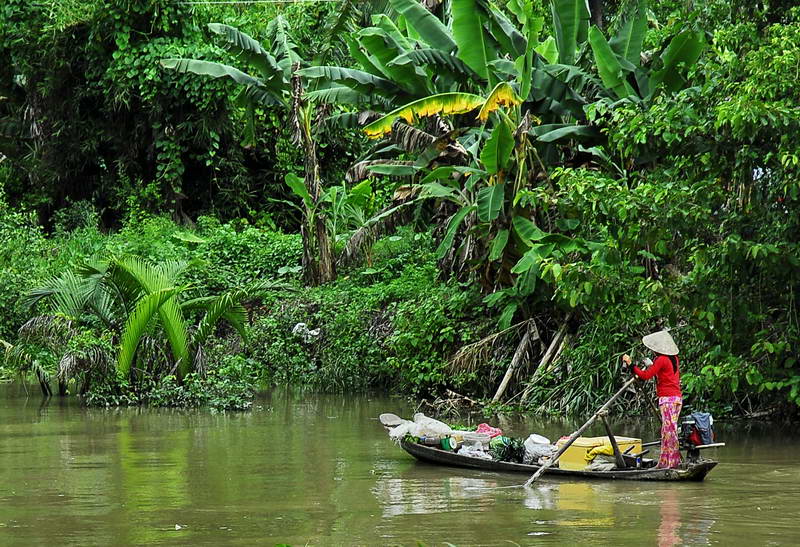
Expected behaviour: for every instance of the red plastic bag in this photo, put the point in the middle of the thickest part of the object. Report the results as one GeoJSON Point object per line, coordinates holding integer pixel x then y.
{"type": "Point", "coordinates": [489, 430]}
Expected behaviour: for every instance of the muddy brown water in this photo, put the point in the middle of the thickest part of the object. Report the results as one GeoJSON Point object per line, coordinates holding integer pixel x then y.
{"type": "Point", "coordinates": [319, 470]}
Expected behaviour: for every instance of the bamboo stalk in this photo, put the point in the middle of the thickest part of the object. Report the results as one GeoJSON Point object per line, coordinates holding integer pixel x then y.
{"type": "Point", "coordinates": [578, 433]}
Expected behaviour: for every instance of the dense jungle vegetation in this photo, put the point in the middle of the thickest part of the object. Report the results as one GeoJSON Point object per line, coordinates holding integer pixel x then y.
{"type": "Point", "coordinates": [494, 199]}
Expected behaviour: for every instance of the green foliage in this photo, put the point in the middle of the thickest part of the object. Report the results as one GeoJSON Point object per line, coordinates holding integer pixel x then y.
{"type": "Point", "coordinates": [242, 254]}
{"type": "Point", "coordinates": [392, 324]}
{"type": "Point", "coordinates": [636, 176]}
{"type": "Point", "coordinates": [94, 117]}
{"type": "Point", "coordinates": [21, 247]}
{"type": "Point", "coordinates": [227, 387]}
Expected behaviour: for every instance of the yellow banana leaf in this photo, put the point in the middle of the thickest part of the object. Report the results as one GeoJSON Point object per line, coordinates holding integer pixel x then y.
{"type": "Point", "coordinates": [443, 103]}
{"type": "Point", "coordinates": [502, 95]}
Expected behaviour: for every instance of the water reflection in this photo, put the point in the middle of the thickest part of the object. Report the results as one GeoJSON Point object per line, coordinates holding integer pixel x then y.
{"type": "Point", "coordinates": [407, 496]}
{"type": "Point", "coordinates": [542, 497]}
{"type": "Point", "coordinates": [670, 520]}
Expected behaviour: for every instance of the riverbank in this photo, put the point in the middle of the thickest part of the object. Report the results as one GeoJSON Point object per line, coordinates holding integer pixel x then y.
{"type": "Point", "coordinates": [390, 323]}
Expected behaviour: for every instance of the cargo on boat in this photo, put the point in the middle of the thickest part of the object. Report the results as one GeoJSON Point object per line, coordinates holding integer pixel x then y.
{"type": "Point", "coordinates": [607, 457]}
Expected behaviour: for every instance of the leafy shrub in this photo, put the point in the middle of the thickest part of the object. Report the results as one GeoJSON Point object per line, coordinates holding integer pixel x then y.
{"type": "Point", "coordinates": [236, 254]}
{"type": "Point", "coordinates": [393, 324]}
{"type": "Point", "coordinates": [22, 250]}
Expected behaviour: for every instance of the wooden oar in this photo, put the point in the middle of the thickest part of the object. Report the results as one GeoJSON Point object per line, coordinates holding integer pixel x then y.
{"type": "Point", "coordinates": [578, 433]}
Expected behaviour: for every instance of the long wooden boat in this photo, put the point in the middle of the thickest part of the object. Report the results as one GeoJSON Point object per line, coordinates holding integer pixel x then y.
{"type": "Point", "coordinates": [695, 471]}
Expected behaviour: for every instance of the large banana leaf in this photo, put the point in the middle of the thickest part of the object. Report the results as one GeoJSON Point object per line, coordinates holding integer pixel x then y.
{"type": "Point", "coordinates": [628, 41]}
{"type": "Point", "coordinates": [608, 65]}
{"type": "Point", "coordinates": [468, 35]}
{"type": "Point", "coordinates": [681, 53]}
{"type": "Point", "coordinates": [526, 230]}
{"type": "Point", "coordinates": [490, 202]}
{"type": "Point", "coordinates": [257, 94]}
{"type": "Point", "coordinates": [136, 325]}
{"type": "Point", "coordinates": [552, 96]}
{"type": "Point", "coordinates": [549, 50]}
{"type": "Point", "coordinates": [427, 25]}
{"type": "Point", "coordinates": [382, 50]}
{"type": "Point", "coordinates": [570, 22]}
{"type": "Point", "coordinates": [496, 153]}
{"type": "Point", "coordinates": [381, 21]}
{"type": "Point", "coordinates": [531, 27]}
{"type": "Point", "coordinates": [283, 48]}
{"type": "Point", "coordinates": [442, 103]}
{"type": "Point", "coordinates": [505, 69]}
{"type": "Point", "coordinates": [558, 131]}
{"type": "Point", "coordinates": [298, 186]}
{"type": "Point", "coordinates": [361, 81]}
{"type": "Point", "coordinates": [502, 95]}
{"type": "Point", "coordinates": [212, 69]}
{"type": "Point", "coordinates": [256, 90]}
{"type": "Point", "coordinates": [396, 169]}
{"type": "Point", "coordinates": [252, 52]}
{"type": "Point", "coordinates": [363, 61]}
{"type": "Point", "coordinates": [452, 229]}
{"type": "Point", "coordinates": [340, 94]}
{"type": "Point", "coordinates": [498, 245]}
{"type": "Point", "coordinates": [439, 61]}
{"type": "Point", "coordinates": [577, 78]}
{"type": "Point", "coordinates": [512, 41]}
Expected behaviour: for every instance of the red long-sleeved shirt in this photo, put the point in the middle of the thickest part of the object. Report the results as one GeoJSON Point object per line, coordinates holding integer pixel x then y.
{"type": "Point", "coordinates": [668, 382]}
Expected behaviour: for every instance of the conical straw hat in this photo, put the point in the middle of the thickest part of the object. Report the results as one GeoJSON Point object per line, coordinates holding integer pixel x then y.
{"type": "Point", "coordinates": [661, 342]}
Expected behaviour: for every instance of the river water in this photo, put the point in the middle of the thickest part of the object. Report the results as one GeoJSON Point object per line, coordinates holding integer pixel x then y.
{"type": "Point", "coordinates": [320, 470]}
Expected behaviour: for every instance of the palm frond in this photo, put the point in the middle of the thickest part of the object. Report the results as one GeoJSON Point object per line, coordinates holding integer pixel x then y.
{"type": "Point", "coordinates": [174, 325]}
{"type": "Point", "coordinates": [136, 325]}
{"type": "Point", "coordinates": [132, 278]}
{"type": "Point", "coordinates": [83, 362]}
{"type": "Point", "coordinates": [134, 272]}
{"type": "Point", "coordinates": [226, 305]}
{"type": "Point", "coordinates": [52, 331]}
{"type": "Point", "coordinates": [67, 293]}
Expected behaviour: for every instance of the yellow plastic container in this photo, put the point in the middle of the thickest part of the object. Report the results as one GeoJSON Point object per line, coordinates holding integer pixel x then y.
{"type": "Point", "coordinates": [574, 458]}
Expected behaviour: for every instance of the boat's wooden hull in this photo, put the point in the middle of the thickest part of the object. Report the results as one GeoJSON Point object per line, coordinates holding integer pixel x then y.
{"type": "Point", "coordinates": [691, 472]}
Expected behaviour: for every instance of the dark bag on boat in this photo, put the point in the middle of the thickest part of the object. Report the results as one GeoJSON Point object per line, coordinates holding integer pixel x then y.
{"type": "Point", "coordinates": [703, 425]}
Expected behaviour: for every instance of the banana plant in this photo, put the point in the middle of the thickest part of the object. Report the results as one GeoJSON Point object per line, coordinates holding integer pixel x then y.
{"type": "Point", "coordinates": [402, 64]}
{"type": "Point", "coordinates": [420, 55]}
{"type": "Point", "coordinates": [270, 86]}
{"type": "Point", "coordinates": [344, 210]}
{"type": "Point", "coordinates": [620, 66]}
{"type": "Point", "coordinates": [277, 83]}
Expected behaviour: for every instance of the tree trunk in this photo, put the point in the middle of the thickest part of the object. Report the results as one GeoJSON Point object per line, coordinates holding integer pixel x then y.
{"type": "Point", "coordinates": [552, 353]}
{"type": "Point", "coordinates": [596, 10]}
{"type": "Point", "coordinates": [319, 265]}
{"type": "Point", "coordinates": [519, 355]}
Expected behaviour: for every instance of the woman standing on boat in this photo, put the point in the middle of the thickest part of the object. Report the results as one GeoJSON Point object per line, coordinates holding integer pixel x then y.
{"type": "Point", "coordinates": [668, 388]}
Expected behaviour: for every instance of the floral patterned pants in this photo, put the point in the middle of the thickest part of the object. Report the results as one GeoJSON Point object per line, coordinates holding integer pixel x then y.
{"type": "Point", "coordinates": [670, 410]}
